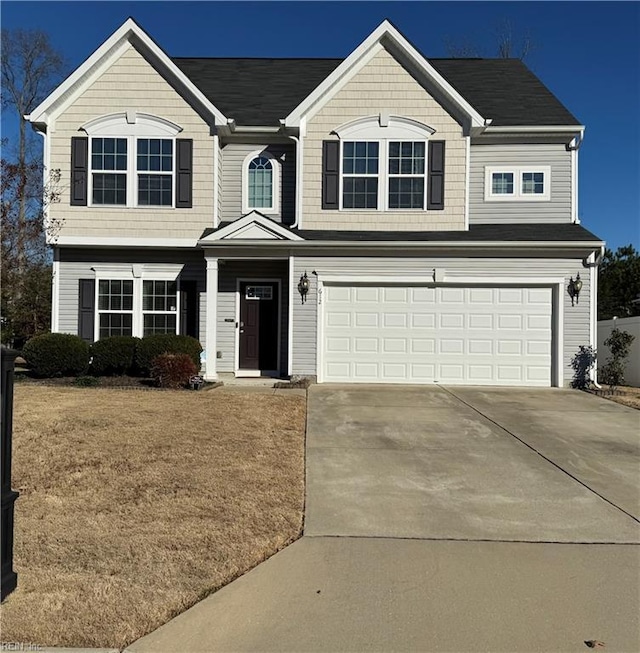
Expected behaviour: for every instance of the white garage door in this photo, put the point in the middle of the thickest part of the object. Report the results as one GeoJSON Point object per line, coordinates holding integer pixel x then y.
{"type": "Point", "coordinates": [417, 334]}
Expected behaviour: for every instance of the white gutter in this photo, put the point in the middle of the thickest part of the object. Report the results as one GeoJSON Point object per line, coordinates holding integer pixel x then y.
{"type": "Point", "coordinates": [250, 129]}
{"type": "Point", "coordinates": [412, 244]}
{"type": "Point", "coordinates": [535, 129]}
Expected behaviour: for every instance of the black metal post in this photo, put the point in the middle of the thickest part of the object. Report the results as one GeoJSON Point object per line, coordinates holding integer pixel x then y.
{"type": "Point", "coordinates": [9, 576]}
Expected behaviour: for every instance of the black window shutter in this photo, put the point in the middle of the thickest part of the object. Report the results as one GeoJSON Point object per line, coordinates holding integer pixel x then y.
{"type": "Point", "coordinates": [189, 308]}
{"type": "Point", "coordinates": [435, 184]}
{"type": "Point", "coordinates": [330, 174]}
{"type": "Point", "coordinates": [86, 309]}
{"type": "Point", "coordinates": [79, 170]}
{"type": "Point", "coordinates": [184, 173]}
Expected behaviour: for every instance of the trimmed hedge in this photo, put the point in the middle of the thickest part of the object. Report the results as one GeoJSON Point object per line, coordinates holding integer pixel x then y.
{"type": "Point", "coordinates": [113, 356]}
{"type": "Point", "coordinates": [56, 354]}
{"type": "Point", "coordinates": [172, 370]}
{"type": "Point", "coordinates": [151, 346]}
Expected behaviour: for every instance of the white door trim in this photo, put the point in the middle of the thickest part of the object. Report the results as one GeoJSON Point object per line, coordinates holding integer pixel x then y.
{"type": "Point", "coordinates": [236, 365]}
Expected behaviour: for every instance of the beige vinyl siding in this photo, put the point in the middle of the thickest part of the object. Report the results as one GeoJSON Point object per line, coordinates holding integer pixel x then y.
{"type": "Point", "coordinates": [557, 209]}
{"type": "Point", "coordinates": [76, 264]}
{"type": "Point", "coordinates": [230, 272]}
{"type": "Point", "coordinates": [132, 84]}
{"type": "Point", "coordinates": [233, 157]}
{"type": "Point", "coordinates": [575, 322]}
{"type": "Point", "coordinates": [384, 85]}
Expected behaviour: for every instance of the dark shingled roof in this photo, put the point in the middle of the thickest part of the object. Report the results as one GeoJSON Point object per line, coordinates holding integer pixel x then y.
{"type": "Point", "coordinates": [256, 91]}
{"type": "Point", "coordinates": [504, 90]}
{"type": "Point", "coordinates": [262, 91]}
{"type": "Point", "coordinates": [562, 232]}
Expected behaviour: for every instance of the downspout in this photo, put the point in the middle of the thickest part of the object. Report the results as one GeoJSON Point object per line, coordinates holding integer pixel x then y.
{"type": "Point", "coordinates": [573, 147]}
{"type": "Point", "coordinates": [593, 270]}
{"type": "Point", "coordinates": [298, 198]}
{"type": "Point", "coordinates": [216, 180]}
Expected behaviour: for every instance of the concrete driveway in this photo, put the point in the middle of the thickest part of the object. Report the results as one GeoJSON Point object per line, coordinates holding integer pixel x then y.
{"type": "Point", "coordinates": [468, 463]}
{"type": "Point", "coordinates": [547, 480]}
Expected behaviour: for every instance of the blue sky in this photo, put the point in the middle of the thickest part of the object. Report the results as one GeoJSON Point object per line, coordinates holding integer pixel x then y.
{"type": "Point", "coordinates": [588, 54]}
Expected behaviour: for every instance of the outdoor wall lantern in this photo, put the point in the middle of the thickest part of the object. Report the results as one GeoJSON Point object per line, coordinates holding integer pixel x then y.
{"type": "Point", "coordinates": [575, 286]}
{"type": "Point", "coordinates": [303, 287]}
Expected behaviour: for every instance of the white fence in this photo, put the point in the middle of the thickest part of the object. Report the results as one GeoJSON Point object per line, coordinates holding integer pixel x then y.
{"type": "Point", "coordinates": [630, 325]}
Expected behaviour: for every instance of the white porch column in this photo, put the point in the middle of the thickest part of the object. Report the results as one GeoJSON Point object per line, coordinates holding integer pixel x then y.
{"type": "Point", "coordinates": [212, 317]}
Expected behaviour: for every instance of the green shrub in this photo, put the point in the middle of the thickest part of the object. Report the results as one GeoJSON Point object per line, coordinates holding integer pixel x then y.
{"type": "Point", "coordinates": [56, 354]}
{"type": "Point", "coordinates": [582, 364]}
{"type": "Point", "coordinates": [172, 370]}
{"type": "Point", "coordinates": [113, 356]}
{"type": "Point", "coordinates": [151, 346]}
{"type": "Point", "coordinates": [86, 382]}
{"type": "Point", "coordinates": [619, 344]}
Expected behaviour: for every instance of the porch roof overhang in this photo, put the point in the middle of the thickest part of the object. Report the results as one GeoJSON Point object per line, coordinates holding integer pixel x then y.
{"type": "Point", "coordinates": [258, 231]}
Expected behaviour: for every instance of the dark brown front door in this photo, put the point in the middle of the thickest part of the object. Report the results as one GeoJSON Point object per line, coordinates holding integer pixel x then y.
{"type": "Point", "coordinates": [258, 326]}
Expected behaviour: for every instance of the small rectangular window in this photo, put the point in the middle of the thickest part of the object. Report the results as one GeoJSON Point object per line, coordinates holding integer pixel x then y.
{"type": "Point", "coordinates": [517, 184]}
{"type": "Point", "coordinates": [259, 292]}
{"type": "Point", "coordinates": [532, 183]}
{"type": "Point", "coordinates": [502, 183]}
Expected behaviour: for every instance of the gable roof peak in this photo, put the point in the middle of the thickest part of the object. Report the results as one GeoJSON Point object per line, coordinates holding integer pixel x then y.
{"type": "Point", "coordinates": [135, 35]}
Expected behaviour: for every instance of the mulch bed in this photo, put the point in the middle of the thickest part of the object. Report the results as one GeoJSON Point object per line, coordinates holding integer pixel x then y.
{"type": "Point", "coordinates": [123, 382]}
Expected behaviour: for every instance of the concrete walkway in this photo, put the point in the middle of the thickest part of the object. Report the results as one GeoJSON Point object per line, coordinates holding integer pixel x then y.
{"type": "Point", "coordinates": [555, 468]}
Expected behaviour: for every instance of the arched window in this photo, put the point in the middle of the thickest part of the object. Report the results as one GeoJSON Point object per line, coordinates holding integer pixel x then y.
{"type": "Point", "coordinates": [260, 183]}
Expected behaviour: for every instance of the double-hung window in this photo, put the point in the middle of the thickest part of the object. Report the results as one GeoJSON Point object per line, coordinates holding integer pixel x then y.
{"type": "Point", "coordinates": [406, 174]}
{"type": "Point", "coordinates": [260, 183]}
{"type": "Point", "coordinates": [159, 307]}
{"type": "Point", "coordinates": [154, 168]}
{"type": "Point", "coordinates": [118, 178]}
{"type": "Point", "coordinates": [385, 174]}
{"type": "Point", "coordinates": [115, 307]}
{"type": "Point", "coordinates": [518, 183]}
{"type": "Point", "coordinates": [360, 170]}
{"type": "Point", "coordinates": [109, 170]}
{"type": "Point", "coordinates": [137, 302]}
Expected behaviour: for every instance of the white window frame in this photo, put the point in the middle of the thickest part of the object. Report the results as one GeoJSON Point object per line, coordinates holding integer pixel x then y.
{"type": "Point", "coordinates": [131, 126]}
{"type": "Point", "coordinates": [517, 195]}
{"type": "Point", "coordinates": [275, 183]}
{"type": "Point", "coordinates": [137, 274]}
{"type": "Point", "coordinates": [384, 129]}
{"type": "Point", "coordinates": [175, 312]}
{"type": "Point", "coordinates": [107, 311]}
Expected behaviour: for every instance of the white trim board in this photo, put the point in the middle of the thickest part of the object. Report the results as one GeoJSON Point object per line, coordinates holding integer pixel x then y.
{"type": "Point", "coordinates": [385, 33]}
{"type": "Point", "coordinates": [253, 226]}
{"type": "Point", "coordinates": [236, 362]}
{"type": "Point", "coordinates": [129, 32]}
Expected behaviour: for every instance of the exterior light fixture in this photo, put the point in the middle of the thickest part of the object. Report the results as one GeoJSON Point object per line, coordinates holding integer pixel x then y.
{"type": "Point", "coordinates": [574, 288]}
{"type": "Point", "coordinates": [303, 287]}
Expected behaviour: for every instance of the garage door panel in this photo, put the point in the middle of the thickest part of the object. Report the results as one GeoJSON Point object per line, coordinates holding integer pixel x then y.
{"type": "Point", "coordinates": [480, 335]}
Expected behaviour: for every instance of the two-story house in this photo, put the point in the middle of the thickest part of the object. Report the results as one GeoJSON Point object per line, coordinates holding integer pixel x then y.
{"type": "Point", "coordinates": [382, 218]}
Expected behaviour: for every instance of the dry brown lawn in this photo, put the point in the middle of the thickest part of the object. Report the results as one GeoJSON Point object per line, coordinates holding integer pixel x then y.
{"type": "Point", "coordinates": [134, 505]}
